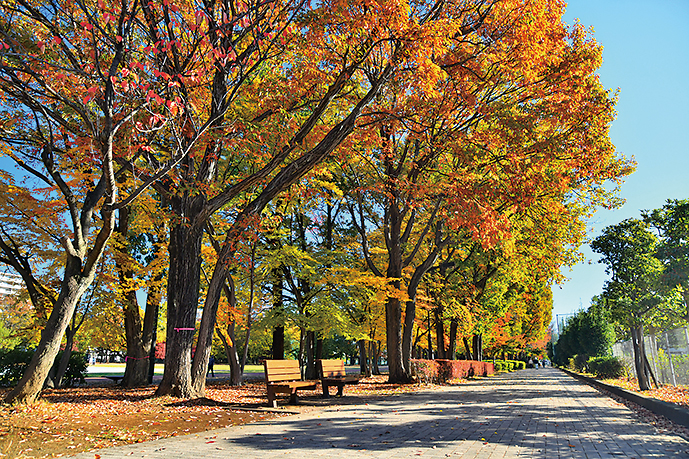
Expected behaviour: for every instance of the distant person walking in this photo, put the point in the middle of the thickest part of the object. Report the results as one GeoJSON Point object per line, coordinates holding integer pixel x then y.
{"type": "Point", "coordinates": [211, 363]}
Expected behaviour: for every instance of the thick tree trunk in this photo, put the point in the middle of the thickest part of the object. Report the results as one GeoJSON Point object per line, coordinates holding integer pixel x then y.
{"type": "Point", "coordinates": [310, 372]}
{"type": "Point", "coordinates": [279, 343]}
{"type": "Point", "coordinates": [182, 300]}
{"type": "Point", "coordinates": [637, 333]}
{"type": "Point", "coordinates": [64, 360]}
{"type": "Point", "coordinates": [364, 367]}
{"type": "Point", "coordinates": [136, 360]}
{"type": "Point", "coordinates": [453, 339]}
{"type": "Point", "coordinates": [319, 348]}
{"type": "Point", "coordinates": [73, 287]}
{"type": "Point", "coordinates": [477, 346]}
{"type": "Point", "coordinates": [440, 333]}
{"type": "Point", "coordinates": [393, 324]}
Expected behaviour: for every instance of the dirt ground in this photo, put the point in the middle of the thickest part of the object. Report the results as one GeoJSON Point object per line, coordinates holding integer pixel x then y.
{"type": "Point", "coordinates": [69, 421]}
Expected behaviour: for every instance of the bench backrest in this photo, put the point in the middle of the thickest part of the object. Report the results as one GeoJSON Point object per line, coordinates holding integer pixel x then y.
{"type": "Point", "coordinates": [282, 370]}
{"type": "Point", "coordinates": [331, 368]}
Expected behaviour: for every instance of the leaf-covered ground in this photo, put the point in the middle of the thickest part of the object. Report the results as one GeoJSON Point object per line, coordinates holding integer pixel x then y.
{"type": "Point", "coordinates": [68, 421]}
{"type": "Point", "coordinates": [673, 394]}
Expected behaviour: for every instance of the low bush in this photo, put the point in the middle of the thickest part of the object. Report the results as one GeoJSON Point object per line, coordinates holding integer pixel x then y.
{"type": "Point", "coordinates": [519, 365]}
{"type": "Point", "coordinates": [607, 367]}
{"type": "Point", "coordinates": [578, 363]}
{"type": "Point", "coordinates": [13, 363]}
{"type": "Point", "coordinates": [76, 369]}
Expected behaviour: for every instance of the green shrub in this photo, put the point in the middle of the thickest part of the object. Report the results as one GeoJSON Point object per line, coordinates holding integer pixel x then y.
{"type": "Point", "coordinates": [76, 369]}
{"type": "Point", "coordinates": [607, 367]}
{"type": "Point", "coordinates": [519, 365]}
{"type": "Point", "coordinates": [13, 363]}
{"type": "Point", "coordinates": [578, 363]}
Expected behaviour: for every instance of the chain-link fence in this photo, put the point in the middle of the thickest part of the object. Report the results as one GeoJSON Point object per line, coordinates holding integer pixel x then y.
{"type": "Point", "coordinates": [667, 352]}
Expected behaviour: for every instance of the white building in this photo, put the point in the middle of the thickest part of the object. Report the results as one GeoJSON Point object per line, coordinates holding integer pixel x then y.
{"type": "Point", "coordinates": [10, 284]}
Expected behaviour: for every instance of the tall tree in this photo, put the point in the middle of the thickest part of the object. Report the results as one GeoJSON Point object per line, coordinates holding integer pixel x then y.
{"type": "Point", "coordinates": [672, 224]}
{"type": "Point", "coordinates": [481, 144]}
{"type": "Point", "coordinates": [352, 46]}
{"type": "Point", "coordinates": [63, 112]}
{"type": "Point", "coordinates": [628, 250]}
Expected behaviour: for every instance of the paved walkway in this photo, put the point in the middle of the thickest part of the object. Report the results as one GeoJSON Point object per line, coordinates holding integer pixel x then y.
{"type": "Point", "coordinates": [530, 413]}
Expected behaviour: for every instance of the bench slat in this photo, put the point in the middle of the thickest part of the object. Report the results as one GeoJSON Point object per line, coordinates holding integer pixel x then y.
{"type": "Point", "coordinates": [284, 377]}
{"type": "Point", "coordinates": [333, 374]}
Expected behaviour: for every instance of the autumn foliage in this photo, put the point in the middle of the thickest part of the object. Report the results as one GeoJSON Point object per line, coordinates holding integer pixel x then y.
{"type": "Point", "coordinates": [325, 168]}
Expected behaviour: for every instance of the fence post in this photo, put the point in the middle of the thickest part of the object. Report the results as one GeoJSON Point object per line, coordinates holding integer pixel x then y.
{"type": "Point", "coordinates": [669, 356]}
{"type": "Point", "coordinates": [653, 344]}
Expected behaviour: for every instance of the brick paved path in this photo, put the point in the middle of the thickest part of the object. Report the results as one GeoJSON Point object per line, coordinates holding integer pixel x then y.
{"type": "Point", "coordinates": [529, 413]}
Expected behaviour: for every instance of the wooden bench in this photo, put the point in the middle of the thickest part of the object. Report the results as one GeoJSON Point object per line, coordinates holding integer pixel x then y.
{"type": "Point", "coordinates": [284, 377]}
{"type": "Point", "coordinates": [333, 373]}
{"type": "Point", "coordinates": [117, 379]}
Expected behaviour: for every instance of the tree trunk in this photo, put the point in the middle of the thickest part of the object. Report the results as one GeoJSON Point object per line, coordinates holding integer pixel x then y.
{"type": "Point", "coordinates": [376, 356]}
{"type": "Point", "coordinates": [232, 358]}
{"type": "Point", "coordinates": [637, 333]}
{"type": "Point", "coordinates": [311, 371]}
{"type": "Point", "coordinates": [430, 337]}
{"type": "Point", "coordinates": [182, 300]}
{"type": "Point", "coordinates": [440, 333]}
{"type": "Point", "coordinates": [66, 354]}
{"type": "Point", "coordinates": [477, 346]}
{"type": "Point", "coordinates": [364, 367]}
{"type": "Point", "coordinates": [136, 360]}
{"type": "Point", "coordinates": [319, 348]}
{"type": "Point", "coordinates": [150, 330]}
{"type": "Point", "coordinates": [72, 288]}
{"type": "Point", "coordinates": [393, 325]}
{"type": "Point", "coordinates": [279, 343]}
{"type": "Point", "coordinates": [453, 339]}
{"type": "Point", "coordinates": [470, 355]}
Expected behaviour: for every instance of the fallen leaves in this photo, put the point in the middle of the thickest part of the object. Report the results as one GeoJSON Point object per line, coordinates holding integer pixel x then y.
{"type": "Point", "coordinates": [69, 421]}
{"type": "Point", "coordinates": [678, 395]}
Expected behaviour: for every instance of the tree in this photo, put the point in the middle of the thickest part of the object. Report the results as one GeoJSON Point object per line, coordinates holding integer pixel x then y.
{"type": "Point", "coordinates": [589, 333]}
{"type": "Point", "coordinates": [672, 224]}
{"type": "Point", "coordinates": [353, 47]}
{"type": "Point", "coordinates": [139, 256]}
{"type": "Point", "coordinates": [481, 145]}
{"type": "Point", "coordinates": [632, 292]}
{"type": "Point", "coordinates": [63, 110]}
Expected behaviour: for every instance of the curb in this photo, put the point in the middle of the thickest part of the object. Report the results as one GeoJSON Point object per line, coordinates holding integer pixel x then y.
{"type": "Point", "coordinates": [671, 411]}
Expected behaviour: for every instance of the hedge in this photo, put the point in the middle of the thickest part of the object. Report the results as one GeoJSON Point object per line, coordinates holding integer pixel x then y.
{"type": "Point", "coordinates": [509, 365]}
{"type": "Point", "coordinates": [442, 371]}
{"type": "Point", "coordinates": [607, 367]}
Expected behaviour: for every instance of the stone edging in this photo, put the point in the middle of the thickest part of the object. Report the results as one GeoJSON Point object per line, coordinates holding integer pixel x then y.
{"type": "Point", "coordinates": [675, 413]}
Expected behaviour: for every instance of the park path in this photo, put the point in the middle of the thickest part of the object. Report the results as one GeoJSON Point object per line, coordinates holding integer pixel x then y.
{"type": "Point", "coordinates": [529, 413]}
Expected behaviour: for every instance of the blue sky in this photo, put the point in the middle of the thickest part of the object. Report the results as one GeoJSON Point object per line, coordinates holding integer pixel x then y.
{"type": "Point", "coordinates": [646, 56]}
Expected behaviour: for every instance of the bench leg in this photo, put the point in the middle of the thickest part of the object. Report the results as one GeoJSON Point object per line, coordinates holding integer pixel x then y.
{"type": "Point", "coordinates": [340, 390]}
{"type": "Point", "coordinates": [326, 390]}
{"type": "Point", "coordinates": [293, 396]}
{"type": "Point", "coordinates": [271, 397]}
